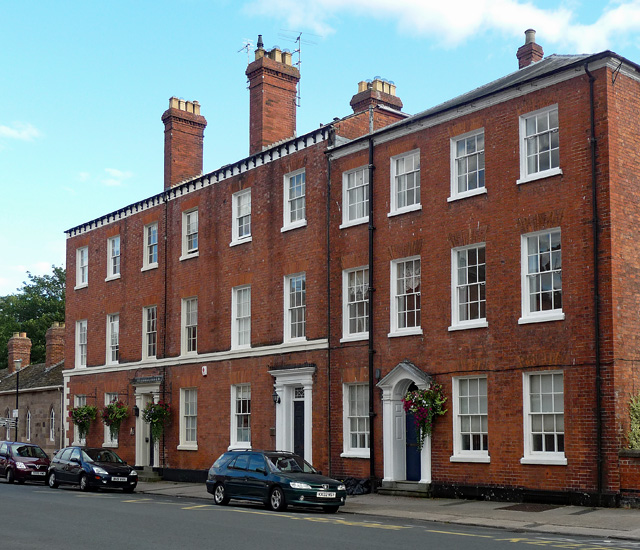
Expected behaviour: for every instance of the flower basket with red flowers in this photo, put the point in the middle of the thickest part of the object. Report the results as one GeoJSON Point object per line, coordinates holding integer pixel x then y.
{"type": "Point", "coordinates": [113, 415]}
{"type": "Point", "coordinates": [156, 415]}
{"type": "Point", "coordinates": [426, 405]}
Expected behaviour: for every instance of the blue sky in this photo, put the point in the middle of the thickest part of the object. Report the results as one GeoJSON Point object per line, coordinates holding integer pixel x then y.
{"type": "Point", "coordinates": [83, 85]}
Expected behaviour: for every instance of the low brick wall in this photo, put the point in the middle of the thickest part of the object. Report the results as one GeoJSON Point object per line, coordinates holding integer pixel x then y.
{"type": "Point", "coordinates": [629, 466]}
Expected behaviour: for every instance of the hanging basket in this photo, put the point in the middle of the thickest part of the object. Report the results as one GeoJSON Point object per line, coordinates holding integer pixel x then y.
{"type": "Point", "coordinates": [425, 405]}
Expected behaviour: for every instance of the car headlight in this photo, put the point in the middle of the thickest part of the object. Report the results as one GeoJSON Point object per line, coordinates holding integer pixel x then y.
{"type": "Point", "coordinates": [341, 488]}
{"type": "Point", "coordinates": [100, 471]}
{"type": "Point", "coordinates": [298, 485]}
{"type": "Point", "coordinates": [20, 466]}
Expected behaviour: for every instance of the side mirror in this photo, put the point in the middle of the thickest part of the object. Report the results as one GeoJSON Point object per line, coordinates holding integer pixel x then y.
{"type": "Point", "coordinates": [75, 460]}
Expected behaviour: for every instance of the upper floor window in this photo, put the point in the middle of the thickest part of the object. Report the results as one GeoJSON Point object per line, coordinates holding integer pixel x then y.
{"type": "Point", "coordinates": [52, 424]}
{"type": "Point", "coordinates": [241, 207]}
{"type": "Point", "coordinates": [295, 307]}
{"type": "Point", "coordinates": [405, 183]}
{"type": "Point", "coordinates": [241, 415]}
{"type": "Point", "coordinates": [356, 420]}
{"type": "Point", "coordinates": [149, 332]}
{"type": "Point", "coordinates": [541, 277]}
{"type": "Point", "coordinates": [188, 418]}
{"type": "Point", "coordinates": [355, 196]}
{"type": "Point", "coordinates": [544, 418]}
{"type": "Point", "coordinates": [355, 292]}
{"type": "Point", "coordinates": [468, 298]}
{"type": "Point", "coordinates": [113, 257]}
{"type": "Point", "coordinates": [470, 424]}
{"type": "Point", "coordinates": [150, 257]}
{"type": "Point", "coordinates": [81, 343]}
{"type": "Point", "coordinates": [82, 267]}
{"type": "Point", "coordinates": [539, 144]}
{"type": "Point", "coordinates": [295, 210]}
{"type": "Point", "coordinates": [28, 425]}
{"type": "Point", "coordinates": [405, 297]}
{"type": "Point", "coordinates": [241, 307]}
{"type": "Point", "coordinates": [467, 165]}
{"type": "Point", "coordinates": [113, 339]}
{"type": "Point", "coordinates": [189, 325]}
{"type": "Point", "coordinates": [189, 234]}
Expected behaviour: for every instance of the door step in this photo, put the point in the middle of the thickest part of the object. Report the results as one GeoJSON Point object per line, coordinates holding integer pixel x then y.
{"type": "Point", "coordinates": [405, 489]}
{"type": "Point", "coordinates": [148, 474]}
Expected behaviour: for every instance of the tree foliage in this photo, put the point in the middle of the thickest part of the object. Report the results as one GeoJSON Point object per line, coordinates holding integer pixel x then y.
{"type": "Point", "coordinates": [634, 431]}
{"type": "Point", "coordinates": [33, 309]}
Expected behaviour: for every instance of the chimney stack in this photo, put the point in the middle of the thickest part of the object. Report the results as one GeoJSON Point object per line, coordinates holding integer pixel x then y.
{"type": "Point", "coordinates": [376, 92]}
{"type": "Point", "coordinates": [273, 82]}
{"type": "Point", "coordinates": [183, 141]}
{"type": "Point", "coordinates": [19, 347]}
{"type": "Point", "coordinates": [530, 52]}
{"type": "Point", "coordinates": [55, 344]}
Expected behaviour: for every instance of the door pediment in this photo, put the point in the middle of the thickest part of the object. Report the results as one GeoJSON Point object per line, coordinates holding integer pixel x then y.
{"type": "Point", "coordinates": [395, 384]}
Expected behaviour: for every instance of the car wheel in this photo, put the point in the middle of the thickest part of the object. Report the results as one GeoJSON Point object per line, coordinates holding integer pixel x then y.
{"type": "Point", "coordinates": [276, 500]}
{"type": "Point", "coordinates": [10, 476]}
{"type": "Point", "coordinates": [84, 483]}
{"type": "Point", "coordinates": [129, 489]}
{"type": "Point", "coordinates": [220, 495]}
{"type": "Point", "coordinates": [330, 509]}
{"type": "Point", "coordinates": [53, 482]}
{"type": "Point", "coordinates": [21, 481]}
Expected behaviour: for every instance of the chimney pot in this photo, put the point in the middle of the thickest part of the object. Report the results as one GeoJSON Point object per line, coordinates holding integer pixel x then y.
{"type": "Point", "coordinates": [19, 347]}
{"type": "Point", "coordinates": [530, 52]}
{"type": "Point", "coordinates": [54, 339]}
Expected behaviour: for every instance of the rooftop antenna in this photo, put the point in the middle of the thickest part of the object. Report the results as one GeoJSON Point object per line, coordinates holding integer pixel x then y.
{"type": "Point", "coordinates": [248, 46]}
{"type": "Point", "coordinates": [296, 37]}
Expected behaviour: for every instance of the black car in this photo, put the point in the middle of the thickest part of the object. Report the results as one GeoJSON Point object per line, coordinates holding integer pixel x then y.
{"type": "Point", "coordinates": [22, 461]}
{"type": "Point", "coordinates": [276, 478]}
{"type": "Point", "coordinates": [91, 467]}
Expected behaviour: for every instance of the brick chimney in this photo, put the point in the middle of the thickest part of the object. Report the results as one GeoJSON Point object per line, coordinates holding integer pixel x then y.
{"type": "Point", "coordinates": [376, 92]}
{"type": "Point", "coordinates": [273, 84]}
{"type": "Point", "coordinates": [183, 141]}
{"type": "Point", "coordinates": [55, 344]}
{"type": "Point", "coordinates": [19, 347]}
{"type": "Point", "coordinates": [530, 52]}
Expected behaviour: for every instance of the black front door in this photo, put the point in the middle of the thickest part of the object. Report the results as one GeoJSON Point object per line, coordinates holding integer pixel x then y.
{"type": "Point", "coordinates": [298, 428]}
{"type": "Point", "coordinates": [413, 454]}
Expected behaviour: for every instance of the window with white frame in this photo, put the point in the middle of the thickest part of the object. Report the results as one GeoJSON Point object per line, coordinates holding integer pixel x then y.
{"type": "Point", "coordinates": [79, 401]}
{"type": "Point", "coordinates": [241, 415]}
{"type": "Point", "coordinates": [149, 332]}
{"type": "Point", "coordinates": [468, 299]}
{"type": "Point", "coordinates": [52, 424]}
{"type": "Point", "coordinates": [82, 267]}
{"type": "Point", "coordinates": [189, 234]}
{"type": "Point", "coordinates": [470, 427]}
{"type": "Point", "coordinates": [355, 292]}
{"type": "Point", "coordinates": [189, 325]}
{"type": "Point", "coordinates": [241, 214]}
{"type": "Point", "coordinates": [541, 276]}
{"type": "Point", "coordinates": [8, 430]}
{"type": "Point", "coordinates": [295, 210]}
{"type": "Point", "coordinates": [355, 196]}
{"type": "Point", "coordinates": [544, 418]}
{"type": "Point", "coordinates": [467, 164]}
{"type": "Point", "coordinates": [28, 425]}
{"type": "Point", "coordinates": [188, 418]}
{"type": "Point", "coordinates": [241, 307]}
{"type": "Point", "coordinates": [150, 256]}
{"type": "Point", "coordinates": [405, 297]}
{"type": "Point", "coordinates": [81, 343]}
{"type": "Point", "coordinates": [295, 307]}
{"type": "Point", "coordinates": [110, 440]}
{"type": "Point", "coordinates": [113, 338]}
{"type": "Point", "coordinates": [539, 144]}
{"type": "Point", "coordinates": [356, 420]}
{"type": "Point", "coordinates": [113, 257]}
{"type": "Point", "coordinates": [405, 182]}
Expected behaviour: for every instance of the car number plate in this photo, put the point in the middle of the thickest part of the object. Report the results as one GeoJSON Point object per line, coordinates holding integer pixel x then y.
{"type": "Point", "coordinates": [38, 473]}
{"type": "Point", "coordinates": [325, 494]}
{"type": "Point", "coordinates": [119, 479]}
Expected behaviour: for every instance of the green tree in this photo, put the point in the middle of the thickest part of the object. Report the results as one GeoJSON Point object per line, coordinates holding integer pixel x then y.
{"type": "Point", "coordinates": [33, 309]}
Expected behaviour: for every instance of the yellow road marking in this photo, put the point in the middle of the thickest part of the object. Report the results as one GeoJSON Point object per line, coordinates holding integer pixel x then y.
{"type": "Point", "coordinates": [459, 534]}
{"type": "Point", "coordinates": [197, 506]}
{"type": "Point", "coordinates": [137, 500]}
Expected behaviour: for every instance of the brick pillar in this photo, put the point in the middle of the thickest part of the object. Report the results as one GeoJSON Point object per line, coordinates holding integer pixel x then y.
{"type": "Point", "coordinates": [183, 141]}
{"type": "Point", "coordinates": [55, 344]}
{"type": "Point", "coordinates": [273, 85]}
{"type": "Point", "coordinates": [19, 347]}
{"type": "Point", "coordinates": [530, 52]}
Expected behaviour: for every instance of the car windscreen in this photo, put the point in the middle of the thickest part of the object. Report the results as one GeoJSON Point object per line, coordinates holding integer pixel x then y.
{"type": "Point", "coordinates": [28, 451]}
{"type": "Point", "coordinates": [290, 463]}
{"type": "Point", "coordinates": [101, 455]}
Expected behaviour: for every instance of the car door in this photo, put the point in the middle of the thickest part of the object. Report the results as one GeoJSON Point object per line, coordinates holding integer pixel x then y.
{"type": "Point", "coordinates": [256, 484]}
{"type": "Point", "coordinates": [60, 463]}
{"type": "Point", "coordinates": [4, 450]}
{"type": "Point", "coordinates": [237, 476]}
{"type": "Point", "coordinates": [74, 466]}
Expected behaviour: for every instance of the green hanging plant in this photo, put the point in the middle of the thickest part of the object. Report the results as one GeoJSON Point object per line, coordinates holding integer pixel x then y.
{"type": "Point", "coordinates": [156, 414]}
{"type": "Point", "coordinates": [82, 417]}
{"type": "Point", "coordinates": [425, 405]}
{"type": "Point", "coordinates": [634, 429]}
{"type": "Point", "coordinates": [113, 415]}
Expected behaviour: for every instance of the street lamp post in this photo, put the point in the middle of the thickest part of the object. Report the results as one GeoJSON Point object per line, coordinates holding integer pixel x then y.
{"type": "Point", "coordinates": [17, 364]}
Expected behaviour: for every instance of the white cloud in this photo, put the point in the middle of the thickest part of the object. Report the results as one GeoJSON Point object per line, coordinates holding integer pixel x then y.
{"type": "Point", "coordinates": [83, 176]}
{"type": "Point", "coordinates": [452, 24]}
{"type": "Point", "coordinates": [20, 130]}
{"type": "Point", "coordinates": [115, 177]}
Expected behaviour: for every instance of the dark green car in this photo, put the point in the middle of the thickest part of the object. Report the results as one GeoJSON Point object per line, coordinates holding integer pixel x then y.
{"type": "Point", "coordinates": [275, 478]}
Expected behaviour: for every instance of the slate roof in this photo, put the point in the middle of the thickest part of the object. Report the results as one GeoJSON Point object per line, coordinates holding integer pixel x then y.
{"type": "Point", "coordinates": [33, 376]}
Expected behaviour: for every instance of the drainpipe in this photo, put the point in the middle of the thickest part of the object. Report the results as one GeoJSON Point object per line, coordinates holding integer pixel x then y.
{"type": "Point", "coordinates": [596, 292]}
{"type": "Point", "coordinates": [329, 392]}
{"type": "Point", "coordinates": [372, 414]}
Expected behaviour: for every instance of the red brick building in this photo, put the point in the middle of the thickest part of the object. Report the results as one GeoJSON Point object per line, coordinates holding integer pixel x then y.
{"type": "Point", "coordinates": [292, 298]}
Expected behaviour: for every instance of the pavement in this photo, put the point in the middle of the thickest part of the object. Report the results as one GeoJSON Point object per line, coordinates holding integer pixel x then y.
{"type": "Point", "coordinates": [601, 523]}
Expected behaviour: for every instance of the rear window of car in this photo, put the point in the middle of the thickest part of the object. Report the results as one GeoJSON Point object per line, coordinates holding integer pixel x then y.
{"type": "Point", "coordinates": [222, 460]}
{"type": "Point", "coordinates": [65, 454]}
{"type": "Point", "coordinates": [240, 463]}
